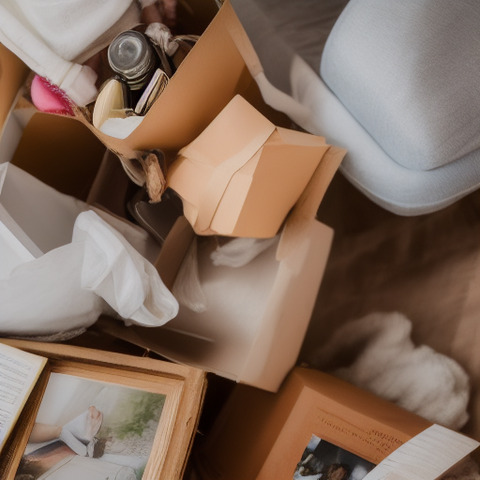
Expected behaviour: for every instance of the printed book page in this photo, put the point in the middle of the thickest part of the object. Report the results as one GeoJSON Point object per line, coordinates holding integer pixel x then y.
{"type": "Point", "coordinates": [19, 371]}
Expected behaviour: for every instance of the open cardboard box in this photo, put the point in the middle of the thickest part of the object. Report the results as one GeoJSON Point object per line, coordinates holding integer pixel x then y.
{"type": "Point", "coordinates": [254, 339]}
{"type": "Point", "coordinates": [257, 315]}
{"type": "Point", "coordinates": [209, 77]}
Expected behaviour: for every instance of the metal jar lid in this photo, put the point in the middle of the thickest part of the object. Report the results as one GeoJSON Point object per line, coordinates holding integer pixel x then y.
{"type": "Point", "coordinates": [132, 57]}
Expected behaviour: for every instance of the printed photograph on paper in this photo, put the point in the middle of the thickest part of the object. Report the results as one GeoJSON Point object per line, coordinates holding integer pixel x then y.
{"type": "Point", "coordinates": [325, 461]}
{"type": "Point", "coordinates": [91, 429]}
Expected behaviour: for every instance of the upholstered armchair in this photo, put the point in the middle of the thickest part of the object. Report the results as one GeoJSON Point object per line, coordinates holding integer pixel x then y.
{"type": "Point", "coordinates": [396, 83]}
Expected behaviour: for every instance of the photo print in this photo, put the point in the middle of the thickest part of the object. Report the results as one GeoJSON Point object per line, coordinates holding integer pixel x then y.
{"type": "Point", "coordinates": [324, 460]}
{"type": "Point", "coordinates": [91, 429]}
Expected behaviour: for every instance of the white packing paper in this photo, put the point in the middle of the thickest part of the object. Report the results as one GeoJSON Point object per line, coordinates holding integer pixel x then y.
{"type": "Point", "coordinates": [69, 287]}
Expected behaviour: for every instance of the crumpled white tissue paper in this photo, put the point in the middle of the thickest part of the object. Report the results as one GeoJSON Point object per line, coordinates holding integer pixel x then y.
{"type": "Point", "coordinates": [69, 287]}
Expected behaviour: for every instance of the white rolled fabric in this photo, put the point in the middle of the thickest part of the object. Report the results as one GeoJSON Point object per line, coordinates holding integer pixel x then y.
{"type": "Point", "coordinates": [48, 35]}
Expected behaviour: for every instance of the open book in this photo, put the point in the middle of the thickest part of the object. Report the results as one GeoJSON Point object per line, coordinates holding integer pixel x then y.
{"type": "Point", "coordinates": [72, 412]}
{"type": "Point", "coordinates": [19, 372]}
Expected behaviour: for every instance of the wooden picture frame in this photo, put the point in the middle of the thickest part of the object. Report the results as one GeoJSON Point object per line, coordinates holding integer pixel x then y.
{"type": "Point", "coordinates": [174, 394]}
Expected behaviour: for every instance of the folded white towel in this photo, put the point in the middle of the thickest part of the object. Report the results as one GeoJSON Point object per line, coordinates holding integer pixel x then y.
{"type": "Point", "coordinates": [48, 35]}
{"type": "Point", "coordinates": [387, 363]}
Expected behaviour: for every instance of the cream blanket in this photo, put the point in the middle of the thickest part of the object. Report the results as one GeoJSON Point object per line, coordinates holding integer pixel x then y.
{"type": "Point", "coordinates": [388, 363]}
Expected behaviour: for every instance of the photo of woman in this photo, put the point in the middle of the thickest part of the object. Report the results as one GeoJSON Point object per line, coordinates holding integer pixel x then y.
{"type": "Point", "coordinates": [322, 460]}
{"type": "Point", "coordinates": [90, 429]}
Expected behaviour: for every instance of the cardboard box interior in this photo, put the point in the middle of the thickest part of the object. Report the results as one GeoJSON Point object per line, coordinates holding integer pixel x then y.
{"type": "Point", "coordinates": [12, 74]}
{"type": "Point", "coordinates": [68, 164]}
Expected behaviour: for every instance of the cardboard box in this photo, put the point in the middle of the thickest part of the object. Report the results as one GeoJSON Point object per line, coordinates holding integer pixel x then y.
{"type": "Point", "coordinates": [263, 436]}
{"type": "Point", "coordinates": [257, 315]}
{"type": "Point", "coordinates": [210, 76]}
{"type": "Point", "coordinates": [258, 342]}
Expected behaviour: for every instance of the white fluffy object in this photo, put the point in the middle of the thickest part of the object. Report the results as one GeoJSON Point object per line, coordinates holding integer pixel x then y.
{"type": "Point", "coordinates": [48, 34]}
{"type": "Point", "coordinates": [238, 252]}
{"type": "Point", "coordinates": [121, 127]}
{"type": "Point", "coordinates": [187, 287]}
{"type": "Point", "coordinates": [388, 364]}
{"type": "Point", "coordinates": [69, 287]}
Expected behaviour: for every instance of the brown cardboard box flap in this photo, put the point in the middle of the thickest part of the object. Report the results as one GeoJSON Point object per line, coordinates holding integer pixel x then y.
{"type": "Point", "coordinates": [307, 205]}
{"type": "Point", "coordinates": [12, 74]}
{"type": "Point", "coordinates": [242, 174]}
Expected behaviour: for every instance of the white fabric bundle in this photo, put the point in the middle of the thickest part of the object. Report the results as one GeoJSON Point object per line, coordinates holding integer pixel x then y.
{"type": "Point", "coordinates": [187, 287]}
{"type": "Point", "coordinates": [236, 253]}
{"type": "Point", "coordinates": [388, 364]}
{"type": "Point", "coordinates": [48, 35]}
{"type": "Point", "coordinates": [69, 287]}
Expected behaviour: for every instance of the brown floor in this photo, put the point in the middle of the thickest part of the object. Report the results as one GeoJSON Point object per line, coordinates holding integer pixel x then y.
{"type": "Point", "coordinates": [427, 267]}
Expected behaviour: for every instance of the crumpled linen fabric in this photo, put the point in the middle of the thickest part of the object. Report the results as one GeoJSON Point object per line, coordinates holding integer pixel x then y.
{"type": "Point", "coordinates": [388, 363]}
{"type": "Point", "coordinates": [69, 287]}
{"type": "Point", "coordinates": [48, 35]}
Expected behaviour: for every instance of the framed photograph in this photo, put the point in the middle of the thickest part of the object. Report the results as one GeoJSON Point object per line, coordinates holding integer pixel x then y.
{"type": "Point", "coordinates": [101, 415]}
{"type": "Point", "coordinates": [326, 461]}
